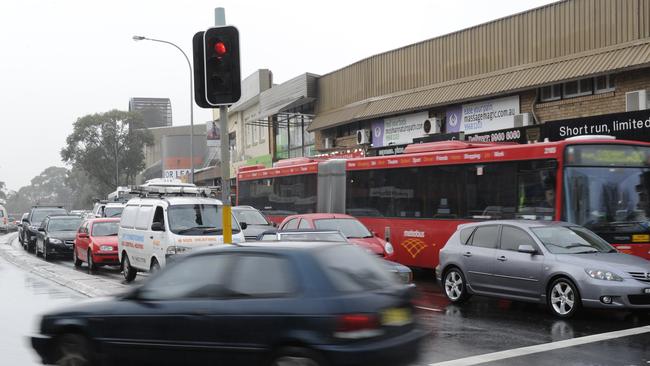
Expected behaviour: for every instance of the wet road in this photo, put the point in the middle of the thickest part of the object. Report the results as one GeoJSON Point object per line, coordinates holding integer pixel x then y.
{"type": "Point", "coordinates": [24, 298]}
{"type": "Point", "coordinates": [509, 333]}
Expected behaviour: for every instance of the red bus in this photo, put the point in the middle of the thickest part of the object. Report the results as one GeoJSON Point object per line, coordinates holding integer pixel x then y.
{"type": "Point", "coordinates": [417, 199]}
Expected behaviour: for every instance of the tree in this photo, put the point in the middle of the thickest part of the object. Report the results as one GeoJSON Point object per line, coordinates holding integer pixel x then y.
{"type": "Point", "coordinates": [49, 187]}
{"type": "Point", "coordinates": [3, 188]}
{"type": "Point", "coordinates": [103, 144]}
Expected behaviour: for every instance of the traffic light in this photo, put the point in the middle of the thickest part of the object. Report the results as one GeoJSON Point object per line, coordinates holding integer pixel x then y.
{"type": "Point", "coordinates": [222, 80]}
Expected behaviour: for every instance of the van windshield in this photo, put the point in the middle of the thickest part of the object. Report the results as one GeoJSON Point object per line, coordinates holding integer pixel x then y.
{"type": "Point", "coordinates": [198, 219]}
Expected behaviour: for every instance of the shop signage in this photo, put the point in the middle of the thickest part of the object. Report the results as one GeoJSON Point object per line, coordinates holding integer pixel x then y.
{"type": "Point", "coordinates": [176, 173]}
{"type": "Point", "coordinates": [521, 135]}
{"type": "Point", "coordinates": [398, 130]}
{"type": "Point", "coordinates": [625, 126]}
{"type": "Point", "coordinates": [489, 115]}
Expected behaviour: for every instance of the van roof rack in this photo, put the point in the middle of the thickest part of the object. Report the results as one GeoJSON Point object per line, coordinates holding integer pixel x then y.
{"type": "Point", "coordinates": [148, 191]}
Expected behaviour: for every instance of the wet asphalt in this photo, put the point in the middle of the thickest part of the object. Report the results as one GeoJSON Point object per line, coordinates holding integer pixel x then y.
{"type": "Point", "coordinates": [479, 327]}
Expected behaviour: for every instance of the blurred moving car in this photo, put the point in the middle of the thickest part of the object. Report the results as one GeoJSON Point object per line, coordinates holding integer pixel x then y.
{"type": "Point", "coordinates": [403, 272]}
{"type": "Point", "coordinates": [56, 235]}
{"type": "Point", "coordinates": [269, 304]}
{"type": "Point", "coordinates": [256, 222]}
{"type": "Point", "coordinates": [562, 265]}
{"type": "Point", "coordinates": [96, 243]}
{"type": "Point", "coordinates": [33, 221]}
{"type": "Point", "coordinates": [353, 229]}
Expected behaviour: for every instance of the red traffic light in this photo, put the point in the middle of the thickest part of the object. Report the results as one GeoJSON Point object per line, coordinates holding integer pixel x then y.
{"type": "Point", "coordinates": [220, 48]}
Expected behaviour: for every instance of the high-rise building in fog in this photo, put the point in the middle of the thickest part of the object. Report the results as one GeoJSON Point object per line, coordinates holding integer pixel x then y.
{"type": "Point", "coordinates": [156, 112]}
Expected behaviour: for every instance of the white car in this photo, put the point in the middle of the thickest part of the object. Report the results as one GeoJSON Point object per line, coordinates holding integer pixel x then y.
{"type": "Point", "coordinates": [4, 220]}
{"type": "Point", "coordinates": [154, 228]}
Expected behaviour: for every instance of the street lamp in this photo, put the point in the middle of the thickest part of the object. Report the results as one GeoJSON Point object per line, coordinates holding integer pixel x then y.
{"type": "Point", "coordinates": [189, 65]}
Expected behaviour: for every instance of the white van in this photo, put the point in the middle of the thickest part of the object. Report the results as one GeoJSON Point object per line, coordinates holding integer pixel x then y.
{"type": "Point", "coordinates": [154, 228]}
{"type": "Point", "coordinates": [4, 220]}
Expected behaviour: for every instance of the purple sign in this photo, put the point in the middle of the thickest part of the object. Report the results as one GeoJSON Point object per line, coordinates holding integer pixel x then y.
{"type": "Point", "coordinates": [454, 118]}
{"type": "Point", "coordinates": [377, 132]}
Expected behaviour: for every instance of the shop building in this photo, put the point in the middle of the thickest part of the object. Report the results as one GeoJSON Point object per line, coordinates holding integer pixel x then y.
{"type": "Point", "coordinates": [564, 66]}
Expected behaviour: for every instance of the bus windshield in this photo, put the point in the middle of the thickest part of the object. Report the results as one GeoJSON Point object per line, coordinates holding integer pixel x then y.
{"type": "Point", "coordinates": [608, 187]}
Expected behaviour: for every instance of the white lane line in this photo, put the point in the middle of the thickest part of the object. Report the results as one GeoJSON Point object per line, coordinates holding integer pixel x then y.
{"type": "Point", "coordinates": [523, 351]}
{"type": "Point", "coordinates": [430, 309]}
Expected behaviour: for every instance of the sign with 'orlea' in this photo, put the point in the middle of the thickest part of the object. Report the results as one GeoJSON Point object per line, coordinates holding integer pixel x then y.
{"type": "Point", "coordinates": [488, 115]}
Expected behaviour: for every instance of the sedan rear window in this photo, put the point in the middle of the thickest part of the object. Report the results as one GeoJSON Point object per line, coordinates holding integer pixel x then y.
{"type": "Point", "coordinates": [351, 269]}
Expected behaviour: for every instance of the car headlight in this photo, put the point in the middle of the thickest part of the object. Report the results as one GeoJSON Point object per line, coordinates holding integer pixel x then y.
{"type": "Point", "coordinates": [105, 248]}
{"type": "Point", "coordinates": [600, 274]}
{"type": "Point", "coordinates": [55, 241]}
{"type": "Point", "coordinates": [388, 247]}
{"type": "Point", "coordinates": [175, 249]}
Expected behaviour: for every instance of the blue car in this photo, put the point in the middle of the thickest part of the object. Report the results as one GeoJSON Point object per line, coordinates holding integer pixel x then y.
{"type": "Point", "coordinates": [300, 304]}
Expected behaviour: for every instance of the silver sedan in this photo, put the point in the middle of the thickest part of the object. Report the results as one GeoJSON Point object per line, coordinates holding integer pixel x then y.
{"type": "Point", "coordinates": [559, 264]}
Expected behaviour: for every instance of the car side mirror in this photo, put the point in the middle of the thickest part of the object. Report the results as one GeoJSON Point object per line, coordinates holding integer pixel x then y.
{"type": "Point", "coordinates": [157, 226]}
{"type": "Point", "coordinates": [526, 249]}
{"type": "Point", "coordinates": [243, 225]}
{"type": "Point", "coordinates": [83, 236]}
{"type": "Point", "coordinates": [41, 229]}
{"type": "Point", "coordinates": [275, 224]}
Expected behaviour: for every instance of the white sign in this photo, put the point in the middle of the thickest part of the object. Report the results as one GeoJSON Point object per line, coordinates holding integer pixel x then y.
{"type": "Point", "coordinates": [398, 130]}
{"type": "Point", "coordinates": [489, 115]}
{"type": "Point", "coordinates": [176, 173]}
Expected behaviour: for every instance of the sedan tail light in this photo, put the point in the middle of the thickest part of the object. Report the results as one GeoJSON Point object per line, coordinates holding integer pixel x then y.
{"type": "Point", "coordinates": [356, 326]}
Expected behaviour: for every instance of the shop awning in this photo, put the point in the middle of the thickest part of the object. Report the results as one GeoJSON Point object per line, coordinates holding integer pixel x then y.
{"type": "Point", "coordinates": [602, 61]}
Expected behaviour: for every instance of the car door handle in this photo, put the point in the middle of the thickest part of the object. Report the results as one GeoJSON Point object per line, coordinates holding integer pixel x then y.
{"type": "Point", "coordinates": [502, 258]}
{"type": "Point", "coordinates": [467, 254]}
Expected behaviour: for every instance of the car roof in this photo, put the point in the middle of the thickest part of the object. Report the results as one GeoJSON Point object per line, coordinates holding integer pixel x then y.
{"type": "Point", "coordinates": [520, 223]}
{"type": "Point", "coordinates": [244, 207]}
{"type": "Point", "coordinates": [63, 216]}
{"type": "Point", "coordinates": [175, 200]}
{"type": "Point", "coordinates": [320, 216]}
{"type": "Point", "coordinates": [269, 246]}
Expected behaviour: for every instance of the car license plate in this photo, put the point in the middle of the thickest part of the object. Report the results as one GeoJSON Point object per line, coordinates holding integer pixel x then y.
{"type": "Point", "coordinates": [396, 317]}
{"type": "Point", "coordinates": [646, 290]}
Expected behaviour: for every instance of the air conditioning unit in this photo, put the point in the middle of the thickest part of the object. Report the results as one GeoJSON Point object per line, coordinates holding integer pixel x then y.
{"type": "Point", "coordinates": [363, 137]}
{"type": "Point", "coordinates": [328, 143]}
{"type": "Point", "coordinates": [431, 126]}
{"type": "Point", "coordinates": [523, 119]}
{"type": "Point", "coordinates": [637, 100]}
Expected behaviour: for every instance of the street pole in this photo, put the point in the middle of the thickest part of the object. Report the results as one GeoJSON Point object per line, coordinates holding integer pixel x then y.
{"type": "Point", "coordinates": [189, 65]}
{"type": "Point", "coordinates": [220, 20]}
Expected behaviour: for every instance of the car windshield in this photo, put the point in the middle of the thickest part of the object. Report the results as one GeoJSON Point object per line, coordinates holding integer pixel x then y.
{"type": "Point", "coordinates": [39, 215]}
{"type": "Point", "coordinates": [198, 219]}
{"type": "Point", "coordinates": [607, 188]}
{"type": "Point", "coordinates": [250, 217]}
{"type": "Point", "coordinates": [351, 228]}
{"type": "Point", "coordinates": [351, 269]}
{"type": "Point", "coordinates": [105, 228]}
{"type": "Point", "coordinates": [113, 211]}
{"type": "Point", "coordinates": [571, 240]}
{"type": "Point", "coordinates": [67, 224]}
{"type": "Point", "coordinates": [313, 236]}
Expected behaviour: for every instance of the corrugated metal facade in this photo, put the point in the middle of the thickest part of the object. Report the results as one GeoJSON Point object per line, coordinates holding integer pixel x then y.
{"type": "Point", "coordinates": [551, 32]}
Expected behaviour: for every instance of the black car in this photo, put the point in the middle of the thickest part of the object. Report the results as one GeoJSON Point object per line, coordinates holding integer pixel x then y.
{"type": "Point", "coordinates": [33, 221]}
{"type": "Point", "coordinates": [56, 236]}
{"type": "Point", "coordinates": [256, 222]}
{"type": "Point", "coordinates": [309, 304]}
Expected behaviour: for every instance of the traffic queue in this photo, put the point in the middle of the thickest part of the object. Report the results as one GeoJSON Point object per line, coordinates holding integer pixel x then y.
{"type": "Point", "coordinates": [331, 275]}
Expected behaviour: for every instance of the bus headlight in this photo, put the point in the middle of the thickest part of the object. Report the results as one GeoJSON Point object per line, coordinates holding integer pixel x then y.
{"type": "Point", "coordinates": [388, 247]}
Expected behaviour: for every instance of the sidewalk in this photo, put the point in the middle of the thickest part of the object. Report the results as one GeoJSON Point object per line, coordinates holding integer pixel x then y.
{"type": "Point", "coordinates": [86, 284]}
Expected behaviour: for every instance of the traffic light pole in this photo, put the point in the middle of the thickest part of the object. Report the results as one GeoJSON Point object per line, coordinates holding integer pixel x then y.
{"type": "Point", "coordinates": [220, 20]}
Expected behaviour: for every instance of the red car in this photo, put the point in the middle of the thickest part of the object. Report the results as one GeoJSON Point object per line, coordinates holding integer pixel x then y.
{"type": "Point", "coordinates": [96, 243]}
{"type": "Point", "coordinates": [356, 232]}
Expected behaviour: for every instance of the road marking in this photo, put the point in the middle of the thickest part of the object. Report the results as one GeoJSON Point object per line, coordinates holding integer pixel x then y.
{"type": "Point", "coordinates": [523, 351]}
{"type": "Point", "coordinates": [430, 309]}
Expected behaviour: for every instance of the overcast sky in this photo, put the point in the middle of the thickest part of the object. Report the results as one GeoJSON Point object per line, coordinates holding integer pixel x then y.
{"type": "Point", "coordinates": [64, 59]}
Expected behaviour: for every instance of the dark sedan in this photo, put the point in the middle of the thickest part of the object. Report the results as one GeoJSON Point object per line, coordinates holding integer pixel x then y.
{"type": "Point", "coordinates": [56, 236]}
{"type": "Point", "coordinates": [300, 304]}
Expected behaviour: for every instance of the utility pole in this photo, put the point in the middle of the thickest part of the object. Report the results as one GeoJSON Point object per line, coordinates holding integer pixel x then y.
{"type": "Point", "coordinates": [220, 20]}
